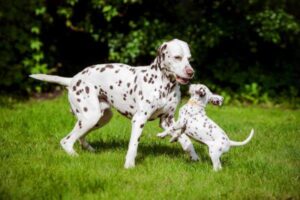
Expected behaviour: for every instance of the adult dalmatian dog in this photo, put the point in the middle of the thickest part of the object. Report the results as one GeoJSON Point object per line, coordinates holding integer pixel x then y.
{"type": "Point", "coordinates": [140, 93]}
{"type": "Point", "coordinates": [194, 122]}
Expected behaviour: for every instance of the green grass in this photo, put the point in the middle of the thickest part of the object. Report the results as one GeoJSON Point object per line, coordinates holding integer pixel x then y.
{"type": "Point", "coordinates": [33, 166]}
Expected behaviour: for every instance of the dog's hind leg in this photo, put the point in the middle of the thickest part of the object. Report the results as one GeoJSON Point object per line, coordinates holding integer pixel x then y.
{"type": "Point", "coordinates": [107, 115]}
{"type": "Point", "coordinates": [88, 113]}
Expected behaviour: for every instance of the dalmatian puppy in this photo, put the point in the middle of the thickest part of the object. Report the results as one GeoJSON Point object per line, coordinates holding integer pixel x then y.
{"type": "Point", "coordinates": [140, 93]}
{"type": "Point", "coordinates": [194, 122]}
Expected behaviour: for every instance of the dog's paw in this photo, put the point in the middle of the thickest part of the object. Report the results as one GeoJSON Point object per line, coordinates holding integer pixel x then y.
{"type": "Point", "coordinates": [91, 149]}
{"type": "Point", "coordinates": [68, 148]}
{"type": "Point", "coordinates": [194, 158]}
{"type": "Point", "coordinates": [161, 135]}
{"type": "Point", "coordinates": [129, 164]}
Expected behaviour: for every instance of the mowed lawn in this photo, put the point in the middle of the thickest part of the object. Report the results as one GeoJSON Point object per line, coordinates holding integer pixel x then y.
{"type": "Point", "coordinates": [33, 165]}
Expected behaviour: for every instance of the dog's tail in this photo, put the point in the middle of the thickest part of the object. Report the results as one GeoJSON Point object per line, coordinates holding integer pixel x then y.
{"type": "Point", "coordinates": [234, 143]}
{"type": "Point", "coordinates": [52, 79]}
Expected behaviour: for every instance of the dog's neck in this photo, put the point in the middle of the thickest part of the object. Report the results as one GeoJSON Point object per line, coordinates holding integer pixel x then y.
{"type": "Point", "coordinates": [197, 104]}
{"type": "Point", "coordinates": [167, 77]}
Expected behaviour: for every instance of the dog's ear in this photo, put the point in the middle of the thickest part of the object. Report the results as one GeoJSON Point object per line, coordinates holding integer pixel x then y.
{"type": "Point", "coordinates": [160, 51]}
{"type": "Point", "coordinates": [216, 100]}
{"type": "Point", "coordinates": [201, 92]}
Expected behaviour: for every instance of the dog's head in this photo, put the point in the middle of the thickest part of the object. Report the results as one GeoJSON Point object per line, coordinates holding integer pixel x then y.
{"type": "Point", "coordinates": [173, 57]}
{"type": "Point", "coordinates": [204, 95]}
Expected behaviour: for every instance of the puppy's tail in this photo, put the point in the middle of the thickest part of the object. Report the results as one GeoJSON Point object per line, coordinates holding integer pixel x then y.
{"type": "Point", "coordinates": [52, 79]}
{"type": "Point", "coordinates": [234, 143]}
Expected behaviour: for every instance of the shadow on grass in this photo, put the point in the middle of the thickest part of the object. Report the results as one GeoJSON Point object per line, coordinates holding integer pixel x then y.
{"type": "Point", "coordinates": [9, 101]}
{"type": "Point", "coordinates": [144, 150]}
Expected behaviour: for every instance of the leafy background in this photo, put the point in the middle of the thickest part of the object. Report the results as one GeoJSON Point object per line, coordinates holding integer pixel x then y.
{"type": "Point", "coordinates": [248, 50]}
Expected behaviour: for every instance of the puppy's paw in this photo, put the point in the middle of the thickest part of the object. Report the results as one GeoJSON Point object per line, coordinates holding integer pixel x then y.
{"type": "Point", "coordinates": [174, 138]}
{"type": "Point", "coordinates": [162, 135]}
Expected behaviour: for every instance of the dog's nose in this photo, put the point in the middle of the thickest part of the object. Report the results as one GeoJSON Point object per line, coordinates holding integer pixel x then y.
{"type": "Point", "coordinates": [189, 71]}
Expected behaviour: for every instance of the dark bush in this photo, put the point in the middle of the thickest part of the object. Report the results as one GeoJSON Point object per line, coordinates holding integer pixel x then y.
{"type": "Point", "coordinates": [233, 43]}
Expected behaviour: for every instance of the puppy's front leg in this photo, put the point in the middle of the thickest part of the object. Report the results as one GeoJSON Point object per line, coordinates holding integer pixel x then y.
{"type": "Point", "coordinates": [176, 126]}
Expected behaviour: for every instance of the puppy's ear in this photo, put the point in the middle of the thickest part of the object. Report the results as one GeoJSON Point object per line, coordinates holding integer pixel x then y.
{"type": "Point", "coordinates": [201, 92]}
{"type": "Point", "coordinates": [216, 100]}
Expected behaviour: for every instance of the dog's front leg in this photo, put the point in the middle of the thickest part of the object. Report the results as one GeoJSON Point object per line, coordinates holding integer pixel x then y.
{"type": "Point", "coordinates": [138, 122]}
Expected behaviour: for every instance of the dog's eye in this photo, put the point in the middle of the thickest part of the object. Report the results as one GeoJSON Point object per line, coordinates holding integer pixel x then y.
{"type": "Point", "coordinates": [179, 58]}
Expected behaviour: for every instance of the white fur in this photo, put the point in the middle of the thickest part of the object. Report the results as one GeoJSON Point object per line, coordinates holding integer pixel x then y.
{"type": "Point", "coordinates": [194, 122]}
{"type": "Point", "coordinates": [140, 93]}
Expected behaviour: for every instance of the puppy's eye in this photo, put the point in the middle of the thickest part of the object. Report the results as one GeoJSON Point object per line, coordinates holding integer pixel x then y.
{"type": "Point", "coordinates": [179, 58]}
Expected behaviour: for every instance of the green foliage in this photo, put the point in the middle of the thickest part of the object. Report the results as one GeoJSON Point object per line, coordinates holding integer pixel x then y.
{"type": "Point", "coordinates": [270, 24]}
{"type": "Point", "coordinates": [21, 51]}
{"type": "Point", "coordinates": [252, 93]}
{"type": "Point", "coordinates": [233, 43]}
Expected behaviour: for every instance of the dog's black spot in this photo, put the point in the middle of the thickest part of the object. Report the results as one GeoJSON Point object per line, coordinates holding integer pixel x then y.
{"type": "Point", "coordinates": [87, 89]}
{"type": "Point", "coordinates": [111, 87]}
{"type": "Point", "coordinates": [120, 82]}
{"type": "Point", "coordinates": [102, 69]}
{"type": "Point", "coordinates": [85, 109]}
{"type": "Point", "coordinates": [142, 125]}
{"type": "Point", "coordinates": [109, 66]}
{"type": "Point", "coordinates": [78, 83]}
{"type": "Point", "coordinates": [128, 84]}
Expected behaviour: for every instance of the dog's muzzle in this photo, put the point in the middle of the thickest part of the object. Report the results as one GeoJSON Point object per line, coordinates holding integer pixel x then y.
{"type": "Point", "coordinates": [185, 80]}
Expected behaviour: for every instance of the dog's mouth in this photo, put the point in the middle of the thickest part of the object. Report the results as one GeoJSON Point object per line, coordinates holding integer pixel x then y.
{"type": "Point", "coordinates": [182, 80]}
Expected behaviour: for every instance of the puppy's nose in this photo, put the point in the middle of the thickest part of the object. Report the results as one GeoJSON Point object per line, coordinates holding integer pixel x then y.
{"type": "Point", "coordinates": [189, 71]}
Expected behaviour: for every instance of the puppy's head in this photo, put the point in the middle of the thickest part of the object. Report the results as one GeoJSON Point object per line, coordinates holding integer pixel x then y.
{"type": "Point", "coordinates": [174, 57]}
{"type": "Point", "coordinates": [202, 94]}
